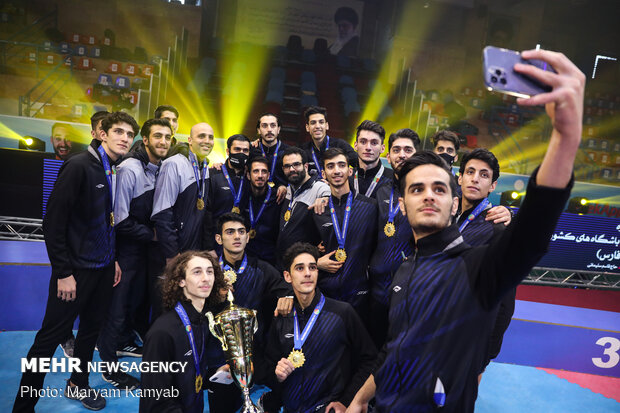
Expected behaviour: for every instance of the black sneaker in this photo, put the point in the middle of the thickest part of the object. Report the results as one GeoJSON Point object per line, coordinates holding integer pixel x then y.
{"type": "Point", "coordinates": [68, 346]}
{"type": "Point", "coordinates": [90, 398]}
{"type": "Point", "coordinates": [121, 380]}
{"type": "Point", "coordinates": [130, 350]}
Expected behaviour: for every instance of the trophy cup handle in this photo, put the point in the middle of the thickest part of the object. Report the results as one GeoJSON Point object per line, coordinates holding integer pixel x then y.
{"type": "Point", "coordinates": [212, 325]}
{"type": "Point", "coordinates": [255, 322]}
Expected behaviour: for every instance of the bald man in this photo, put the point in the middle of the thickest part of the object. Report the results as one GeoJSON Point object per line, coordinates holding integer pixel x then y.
{"type": "Point", "coordinates": [179, 205]}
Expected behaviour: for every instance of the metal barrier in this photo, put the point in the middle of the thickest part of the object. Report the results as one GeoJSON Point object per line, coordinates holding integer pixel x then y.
{"type": "Point", "coordinates": [21, 229]}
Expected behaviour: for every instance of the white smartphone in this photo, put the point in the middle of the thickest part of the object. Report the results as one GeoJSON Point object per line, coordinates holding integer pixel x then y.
{"type": "Point", "coordinates": [222, 377]}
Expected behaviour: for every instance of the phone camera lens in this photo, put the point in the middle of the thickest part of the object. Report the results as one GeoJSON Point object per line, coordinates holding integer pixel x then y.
{"type": "Point", "coordinates": [502, 81]}
{"type": "Point", "coordinates": [493, 79]}
{"type": "Point", "coordinates": [498, 72]}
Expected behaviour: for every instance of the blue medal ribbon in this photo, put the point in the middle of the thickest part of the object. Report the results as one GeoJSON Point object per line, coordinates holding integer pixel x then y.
{"type": "Point", "coordinates": [236, 194]}
{"type": "Point", "coordinates": [110, 176]}
{"type": "Point", "coordinates": [273, 160]}
{"type": "Point", "coordinates": [254, 221]}
{"type": "Point", "coordinates": [226, 267]}
{"type": "Point", "coordinates": [315, 157]}
{"type": "Point", "coordinates": [481, 207]}
{"type": "Point", "coordinates": [392, 209]}
{"type": "Point", "coordinates": [190, 335]}
{"type": "Point", "coordinates": [199, 174]}
{"type": "Point", "coordinates": [341, 234]}
{"type": "Point", "coordinates": [298, 341]}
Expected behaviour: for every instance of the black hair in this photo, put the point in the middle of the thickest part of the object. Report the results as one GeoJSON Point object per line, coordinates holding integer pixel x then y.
{"type": "Point", "coordinates": [145, 132]}
{"type": "Point", "coordinates": [296, 250]}
{"type": "Point", "coordinates": [485, 156]}
{"type": "Point", "coordinates": [313, 110]}
{"type": "Point", "coordinates": [97, 116]}
{"type": "Point", "coordinates": [372, 126]}
{"type": "Point", "coordinates": [230, 217]}
{"type": "Point", "coordinates": [293, 150]}
{"type": "Point", "coordinates": [407, 134]}
{"type": "Point", "coordinates": [119, 117]}
{"type": "Point", "coordinates": [163, 108]}
{"type": "Point", "coordinates": [348, 14]}
{"type": "Point", "coordinates": [446, 135]}
{"type": "Point", "coordinates": [237, 137]}
{"type": "Point", "coordinates": [331, 153]}
{"type": "Point", "coordinates": [262, 115]}
{"type": "Point", "coordinates": [424, 158]}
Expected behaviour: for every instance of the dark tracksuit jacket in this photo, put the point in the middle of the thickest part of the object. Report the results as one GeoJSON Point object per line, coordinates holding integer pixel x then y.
{"type": "Point", "coordinates": [481, 232]}
{"type": "Point", "coordinates": [268, 225]}
{"type": "Point", "coordinates": [339, 356]}
{"type": "Point", "coordinates": [277, 175]}
{"type": "Point", "coordinates": [259, 287]}
{"type": "Point", "coordinates": [365, 178]}
{"type": "Point", "coordinates": [300, 227]}
{"type": "Point", "coordinates": [440, 304]}
{"type": "Point", "coordinates": [350, 282]}
{"type": "Point", "coordinates": [333, 143]}
{"type": "Point", "coordinates": [179, 224]}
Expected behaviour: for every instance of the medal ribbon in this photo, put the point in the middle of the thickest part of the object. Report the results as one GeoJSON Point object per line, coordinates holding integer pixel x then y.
{"type": "Point", "coordinates": [226, 267]}
{"type": "Point", "coordinates": [253, 221]}
{"type": "Point", "coordinates": [273, 160]}
{"type": "Point", "coordinates": [481, 207]}
{"type": "Point", "coordinates": [292, 202]}
{"type": "Point", "coordinates": [341, 235]}
{"type": "Point", "coordinates": [110, 175]}
{"type": "Point", "coordinates": [392, 210]}
{"type": "Point", "coordinates": [373, 184]}
{"type": "Point", "coordinates": [236, 194]}
{"type": "Point", "coordinates": [199, 174]}
{"type": "Point", "coordinates": [298, 341]}
{"type": "Point", "coordinates": [190, 335]}
{"type": "Point", "coordinates": [315, 157]}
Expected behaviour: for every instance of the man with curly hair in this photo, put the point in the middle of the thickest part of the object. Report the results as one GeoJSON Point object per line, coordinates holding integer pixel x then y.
{"type": "Point", "coordinates": [191, 286]}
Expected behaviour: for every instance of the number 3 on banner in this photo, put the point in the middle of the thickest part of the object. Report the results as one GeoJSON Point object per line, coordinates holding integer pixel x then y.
{"type": "Point", "coordinates": [611, 352]}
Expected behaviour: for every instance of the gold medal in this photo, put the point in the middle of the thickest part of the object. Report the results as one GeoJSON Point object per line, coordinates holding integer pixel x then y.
{"type": "Point", "coordinates": [271, 184]}
{"type": "Point", "coordinates": [200, 204]}
{"type": "Point", "coordinates": [235, 210]}
{"type": "Point", "coordinates": [111, 219]}
{"type": "Point", "coordinates": [389, 229]}
{"type": "Point", "coordinates": [287, 215]}
{"type": "Point", "coordinates": [252, 233]}
{"type": "Point", "coordinates": [341, 255]}
{"type": "Point", "coordinates": [231, 276]}
{"type": "Point", "coordinates": [198, 383]}
{"type": "Point", "coordinates": [297, 358]}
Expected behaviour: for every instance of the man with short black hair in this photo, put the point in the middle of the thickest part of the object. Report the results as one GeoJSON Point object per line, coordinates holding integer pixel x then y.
{"type": "Point", "coordinates": [62, 138]}
{"type": "Point", "coordinates": [446, 144]}
{"type": "Point", "coordinates": [169, 113]}
{"type": "Point", "coordinates": [95, 123]}
{"type": "Point", "coordinates": [80, 241]}
{"type": "Point", "coordinates": [317, 126]}
{"type": "Point", "coordinates": [370, 173]}
{"type": "Point", "coordinates": [443, 297]}
{"type": "Point", "coordinates": [296, 221]}
{"type": "Point", "coordinates": [270, 146]}
{"type": "Point", "coordinates": [320, 355]}
{"type": "Point", "coordinates": [347, 227]}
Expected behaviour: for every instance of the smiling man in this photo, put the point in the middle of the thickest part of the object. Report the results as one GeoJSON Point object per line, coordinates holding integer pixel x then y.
{"type": "Point", "coordinates": [443, 298]}
{"type": "Point", "coordinates": [181, 194]}
{"type": "Point", "coordinates": [62, 138]}
{"type": "Point", "coordinates": [80, 240]}
{"type": "Point", "coordinates": [370, 173]}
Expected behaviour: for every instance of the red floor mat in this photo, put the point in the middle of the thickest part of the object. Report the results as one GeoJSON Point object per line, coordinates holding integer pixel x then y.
{"type": "Point", "coordinates": [607, 386]}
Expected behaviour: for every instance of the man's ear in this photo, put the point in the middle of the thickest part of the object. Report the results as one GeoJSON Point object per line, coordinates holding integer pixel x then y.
{"type": "Point", "coordinates": [401, 204]}
{"type": "Point", "coordinates": [455, 206]}
{"type": "Point", "coordinates": [492, 188]}
{"type": "Point", "coordinates": [182, 283]}
{"type": "Point", "coordinates": [287, 277]}
{"type": "Point", "coordinates": [218, 239]}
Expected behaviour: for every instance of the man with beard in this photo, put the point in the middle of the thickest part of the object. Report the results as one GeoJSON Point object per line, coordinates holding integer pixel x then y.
{"type": "Point", "coordinates": [134, 236]}
{"type": "Point", "coordinates": [181, 194]}
{"type": "Point", "coordinates": [443, 297]}
{"type": "Point", "coordinates": [62, 139]}
{"type": "Point", "coordinates": [347, 228]}
{"type": "Point", "coordinates": [317, 126]}
{"type": "Point", "coordinates": [262, 211]}
{"type": "Point", "coordinates": [171, 114]}
{"type": "Point", "coordinates": [80, 242]}
{"type": "Point", "coordinates": [370, 173]}
{"type": "Point", "coordinates": [270, 146]}
{"type": "Point", "coordinates": [296, 222]}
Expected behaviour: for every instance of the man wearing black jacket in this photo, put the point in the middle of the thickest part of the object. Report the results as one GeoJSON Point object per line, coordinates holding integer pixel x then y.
{"type": "Point", "coordinates": [443, 298]}
{"type": "Point", "coordinates": [80, 242]}
{"type": "Point", "coordinates": [317, 126]}
{"type": "Point", "coordinates": [320, 354]}
{"type": "Point", "coordinates": [181, 193]}
{"type": "Point", "coordinates": [370, 173]}
{"type": "Point", "coordinates": [271, 147]}
{"type": "Point", "coordinates": [134, 237]}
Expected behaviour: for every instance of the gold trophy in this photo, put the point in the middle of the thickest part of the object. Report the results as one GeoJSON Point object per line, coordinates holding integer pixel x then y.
{"type": "Point", "coordinates": [235, 328]}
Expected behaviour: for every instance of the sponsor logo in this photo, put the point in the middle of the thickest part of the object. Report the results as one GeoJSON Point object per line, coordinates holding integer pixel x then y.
{"type": "Point", "coordinates": [396, 289]}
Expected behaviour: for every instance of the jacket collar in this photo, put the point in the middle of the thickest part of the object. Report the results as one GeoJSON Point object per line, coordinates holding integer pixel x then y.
{"type": "Point", "coordinates": [448, 240]}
